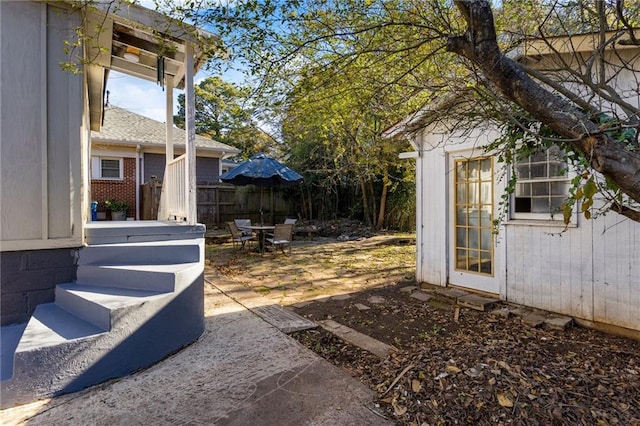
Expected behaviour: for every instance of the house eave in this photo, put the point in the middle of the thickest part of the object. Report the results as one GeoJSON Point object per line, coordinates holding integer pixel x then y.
{"type": "Point", "coordinates": [114, 27]}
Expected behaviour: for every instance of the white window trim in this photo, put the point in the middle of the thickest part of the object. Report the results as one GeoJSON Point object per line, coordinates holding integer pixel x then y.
{"type": "Point", "coordinates": [543, 219]}
{"type": "Point", "coordinates": [96, 168]}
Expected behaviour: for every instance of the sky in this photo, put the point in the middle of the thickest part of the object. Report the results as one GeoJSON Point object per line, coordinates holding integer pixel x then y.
{"type": "Point", "coordinates": [146, 97]}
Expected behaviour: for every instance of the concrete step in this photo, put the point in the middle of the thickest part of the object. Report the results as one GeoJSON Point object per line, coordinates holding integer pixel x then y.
{"type": "Point", "coordinates": [160, 278]}
{"type": "Point", "coordinates": [51, 325]}
{"type": "Point", "coordinates": [97, 305]}
{"type": "Point", "coordinates": [151, 252]}
{"type": "Point", "coordinates": [140, 231]}
{"type": "Point", "coordinates": [9, 338]}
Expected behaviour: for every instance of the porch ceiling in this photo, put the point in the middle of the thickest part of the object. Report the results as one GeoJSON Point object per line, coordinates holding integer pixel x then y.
{"type": "Point", "coordinates": [157, 40]}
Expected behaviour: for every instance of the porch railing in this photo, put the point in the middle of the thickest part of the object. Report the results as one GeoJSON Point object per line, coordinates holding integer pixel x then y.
{"type": "Point", "coordinates": [176, 188]}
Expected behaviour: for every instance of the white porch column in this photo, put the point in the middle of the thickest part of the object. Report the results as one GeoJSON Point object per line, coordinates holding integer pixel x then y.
{"type": "Point", "coordinates": [163, 208]}
{"type": "Point", "coordinates": [168, 84]}
{"type": "Point", "coordinates": [190, 143]}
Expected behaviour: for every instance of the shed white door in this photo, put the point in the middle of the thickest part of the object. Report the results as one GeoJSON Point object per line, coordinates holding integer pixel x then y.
{"type": "Point", "coordinates": [472, 262]}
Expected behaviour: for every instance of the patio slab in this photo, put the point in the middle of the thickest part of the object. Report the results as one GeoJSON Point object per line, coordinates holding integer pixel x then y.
{"type": "Point", "coordinates": [241, 371]}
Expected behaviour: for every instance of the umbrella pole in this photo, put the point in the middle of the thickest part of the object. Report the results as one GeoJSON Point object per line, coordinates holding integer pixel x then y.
{"type": "Point", "coordinates": [261, 213]}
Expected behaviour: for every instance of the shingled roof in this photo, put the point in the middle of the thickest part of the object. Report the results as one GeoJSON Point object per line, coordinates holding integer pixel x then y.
{"type": "Point", "coordinates": [123, 127]}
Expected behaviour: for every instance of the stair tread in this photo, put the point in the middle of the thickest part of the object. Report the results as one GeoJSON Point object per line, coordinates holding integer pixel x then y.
{"type": "Point", "coordinates": [51, 325]}
{"type": "Point", "coordinates": [183, 242]}
{"type": "Point", "coordinates": [111, 297]}
{"type": "Point", "coordinates": [149, 267]}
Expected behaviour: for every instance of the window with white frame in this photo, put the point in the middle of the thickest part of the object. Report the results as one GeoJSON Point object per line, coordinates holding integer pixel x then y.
{"type": "Point", "coordinates": [542, 185]}
{"type": "Point", "coordinates": [106, 168]}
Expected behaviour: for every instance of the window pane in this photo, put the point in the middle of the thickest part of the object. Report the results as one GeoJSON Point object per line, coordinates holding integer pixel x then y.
{"type": "Point", "coordinates": [461, 215]}
{"type": "Point", "coordinates": [540, 205]}
{"type": "Point", "coordinates": [556, 203]}
{"type": "Point", "coordinates": [486, 264]}
{"type": "Point", "coordinates": [556, 154]}
{"type": "Point", "coordinates": [485, 216]}
{"type": "Point", "coordinates": [461, 259]}
{"type": "Point", "coordinates": [523, 205]}
{"type": "Point", "coordinates": [473, 194]}
{"type": "Point", "coordinates": [461, 237]}
{"type": "Point", "coordinates": [485, 188]}
{"type": "Point", "coordinates": [461, 171]}
{"type": "Point", "coordinates": [485, 169]}
{"type": "Point", "coordinates": [110, 168]}
{"type": "Point", "coordinates": [474, 238]}
{"type": "Point", "coordinates": [474, 170]}
{"type": "Point", "coordinates": [540, 188]}
{"type": "Point", "coordinates": [557, 169]}
{"type": "Point", "coordinates": [559, 188]}
{"type": "Point", "coordinates": [461, 193]}
{"type": "Point", "coordinates": [523, 189]}
{"type": "Point", "coordinates": [474, 260]}
{"type": "Point", "coordinates": [539, 156]}
{"type": "Point", "coordinates": [538, 171]}
{"type": "Point", "coordinates": [522, 171]}
{"type": "Point", "coordinates": [485, 239]}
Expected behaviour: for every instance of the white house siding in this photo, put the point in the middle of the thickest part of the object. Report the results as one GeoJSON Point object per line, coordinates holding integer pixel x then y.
{"type": "Point", "coordinates": [432, 220]}
{"type": "Point", "coordinates": [590, 271]}
{"type": "Point", "coordinates": [549, 269]}
{"type": "Point", "coordinates": [40, 158]}
{"type": "Point", "coordinates": [616, 261]}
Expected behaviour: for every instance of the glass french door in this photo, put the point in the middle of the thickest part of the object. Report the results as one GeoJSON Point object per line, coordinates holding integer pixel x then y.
{"type": "Point", "coordinates": [472, 237]}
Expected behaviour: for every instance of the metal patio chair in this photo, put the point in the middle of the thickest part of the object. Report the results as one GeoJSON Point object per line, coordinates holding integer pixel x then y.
{"type": "Point", "coordinates": [282, 236]}
{"type": "Point", "coordinates": [237, 236]}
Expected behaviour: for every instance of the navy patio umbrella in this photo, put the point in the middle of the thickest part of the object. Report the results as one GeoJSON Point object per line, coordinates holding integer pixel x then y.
{"type": "Point", "coordinates": [261, 170]}
{"type": "Point", "coordinates": [264, 172]}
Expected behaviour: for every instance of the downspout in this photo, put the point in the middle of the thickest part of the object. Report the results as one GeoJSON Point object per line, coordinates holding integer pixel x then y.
{"type": "Point", "coordinates": [138, 180]}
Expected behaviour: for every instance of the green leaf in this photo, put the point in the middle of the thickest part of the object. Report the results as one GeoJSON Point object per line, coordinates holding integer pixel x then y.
{"type": "Point", "coordinates": [567, 210]}
{"type": "Point", "coordinates": [590, 188]}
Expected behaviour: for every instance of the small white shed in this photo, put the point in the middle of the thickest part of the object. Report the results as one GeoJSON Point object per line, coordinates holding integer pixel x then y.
{"type": "Point", "coordinates": [590, 270]}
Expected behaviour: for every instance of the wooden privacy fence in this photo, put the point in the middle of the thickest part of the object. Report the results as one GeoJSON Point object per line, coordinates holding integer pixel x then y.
{"type": "Point", "coordinates": [222, 203]}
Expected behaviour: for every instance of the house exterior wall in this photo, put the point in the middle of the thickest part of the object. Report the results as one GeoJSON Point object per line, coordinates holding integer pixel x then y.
{"type": "Point", "coordinates": [29, 278]}
{"type": "Point", "coordinates": [125, 189]}
{"type": "Point", "coordinates": [40, 129]}
{"type": "Point", "coordinates": [207, 168]}
{"type": "Point", "coordinates": [590, 270]}
{"type": "Point", "coordinates": [41, 161]}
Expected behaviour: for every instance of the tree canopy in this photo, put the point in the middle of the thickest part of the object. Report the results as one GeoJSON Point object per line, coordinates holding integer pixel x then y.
{"type": "Point", "coordinates": [409, 54]}
{"type": "Point", "coordinates": [224, 113]}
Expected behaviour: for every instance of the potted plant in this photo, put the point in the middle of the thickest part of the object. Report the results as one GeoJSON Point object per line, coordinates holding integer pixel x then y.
{"type": "Point", "coordinates": [117, 208]}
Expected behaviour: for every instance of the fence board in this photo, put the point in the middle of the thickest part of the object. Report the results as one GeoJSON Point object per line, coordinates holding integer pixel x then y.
{"type": "Point", "coordinates": [217, 204]}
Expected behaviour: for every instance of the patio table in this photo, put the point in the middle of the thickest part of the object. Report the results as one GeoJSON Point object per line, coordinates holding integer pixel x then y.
{"type": "Point", "coordinates": [261, 231]}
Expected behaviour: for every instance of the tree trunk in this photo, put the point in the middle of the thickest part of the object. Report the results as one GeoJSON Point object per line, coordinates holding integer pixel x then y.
{"type": "Point", "coordinates": [372, 219]}
{"type": "Point", "coordinates": [383, 199]}
{"type": "Point", "coordinates": [365, 200]}
{"type": "Point", "coordinates": [479, 45]}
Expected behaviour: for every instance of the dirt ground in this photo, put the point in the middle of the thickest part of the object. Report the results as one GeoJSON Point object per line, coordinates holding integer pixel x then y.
{"type": "Point", "coordinates": [482, 369]}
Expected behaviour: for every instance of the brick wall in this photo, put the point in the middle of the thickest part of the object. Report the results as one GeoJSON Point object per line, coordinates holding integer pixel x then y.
{"type": "Point", "coordinates": [29, 278]}
{"type": "Point", "coordinates": [102, 190]}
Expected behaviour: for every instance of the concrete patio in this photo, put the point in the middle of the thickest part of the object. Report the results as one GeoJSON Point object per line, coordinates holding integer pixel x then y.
{"type": "Point", "coordinates": [241, 371]}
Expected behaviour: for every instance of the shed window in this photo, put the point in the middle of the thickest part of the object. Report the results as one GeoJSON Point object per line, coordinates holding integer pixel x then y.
{"type": "Point", "coordinates": [106, 168]}
{"type": "Point", "coordinates": [542, 185]}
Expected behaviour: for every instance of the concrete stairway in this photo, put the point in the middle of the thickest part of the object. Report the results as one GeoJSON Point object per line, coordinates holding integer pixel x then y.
{"type": "Point", "coordinates": [138, 297]}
